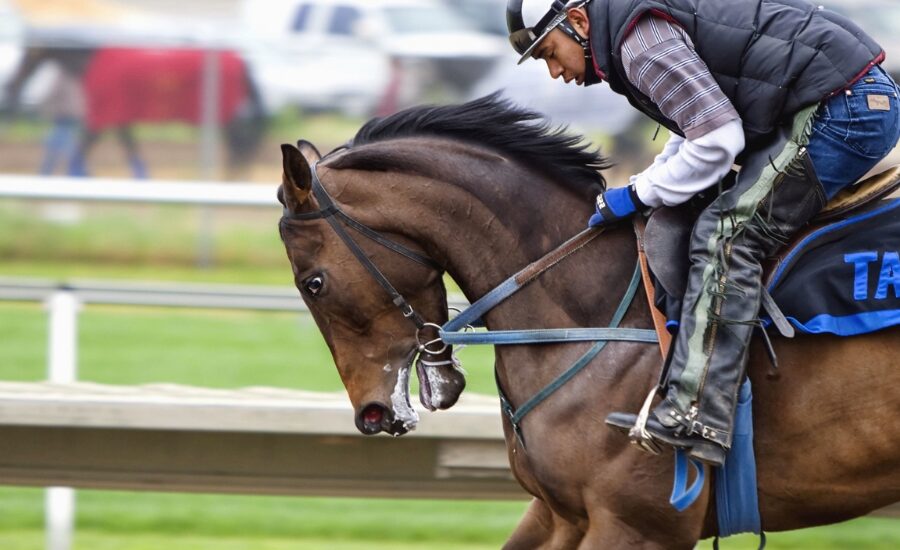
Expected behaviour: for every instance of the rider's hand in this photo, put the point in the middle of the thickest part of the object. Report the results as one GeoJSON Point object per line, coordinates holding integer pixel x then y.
{"type": "Point", "coordinates": [615, 205]}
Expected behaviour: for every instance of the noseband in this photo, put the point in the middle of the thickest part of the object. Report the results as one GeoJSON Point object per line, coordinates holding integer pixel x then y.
{"type": "Point", "coordinates": [337, 219]}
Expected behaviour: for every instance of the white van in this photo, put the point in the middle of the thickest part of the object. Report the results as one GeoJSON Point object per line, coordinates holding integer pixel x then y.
{"type": "Point", "coordinates": [11, 43]}
{"type": "Point", "coordinates": [321, 53]}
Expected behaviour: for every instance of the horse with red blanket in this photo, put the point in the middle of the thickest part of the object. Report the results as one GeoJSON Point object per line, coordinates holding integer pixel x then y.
{"type": "Point", "coordinates": [125, 86]}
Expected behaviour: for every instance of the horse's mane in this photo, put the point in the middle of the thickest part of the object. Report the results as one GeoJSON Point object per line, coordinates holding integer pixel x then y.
{"type": "Point", "coordinates": [494, 123]}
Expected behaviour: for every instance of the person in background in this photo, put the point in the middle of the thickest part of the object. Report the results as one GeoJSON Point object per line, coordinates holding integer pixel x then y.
{"type": "Point", "coordinates": [64, 105]}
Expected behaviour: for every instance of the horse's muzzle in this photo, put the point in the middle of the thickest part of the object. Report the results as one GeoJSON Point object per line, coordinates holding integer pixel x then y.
{"type": "Point", "coordinates": [375, 418]}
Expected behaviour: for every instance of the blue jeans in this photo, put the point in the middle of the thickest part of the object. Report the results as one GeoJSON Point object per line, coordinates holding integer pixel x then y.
{"type": "Point", "coordinates": [854, 130]}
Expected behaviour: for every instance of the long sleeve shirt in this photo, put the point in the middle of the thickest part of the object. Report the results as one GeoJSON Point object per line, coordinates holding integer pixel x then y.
{"type": "Point", "coordinates": [660, 61]}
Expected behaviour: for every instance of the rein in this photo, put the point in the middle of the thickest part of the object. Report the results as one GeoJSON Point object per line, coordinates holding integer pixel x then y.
{"type": "Point", "coordinates": [455, 332]}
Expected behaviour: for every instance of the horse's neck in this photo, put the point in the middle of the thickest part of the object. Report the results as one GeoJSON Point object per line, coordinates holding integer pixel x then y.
{"type": "Point", "coordinates": [485, 228]}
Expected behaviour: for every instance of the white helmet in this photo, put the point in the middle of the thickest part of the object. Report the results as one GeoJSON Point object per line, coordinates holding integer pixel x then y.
{"type": "Point", "coordinates": [525, 39]}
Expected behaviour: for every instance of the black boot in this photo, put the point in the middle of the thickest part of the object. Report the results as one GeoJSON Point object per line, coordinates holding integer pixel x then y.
{"type": "Point", "coordinates": [743, 226]}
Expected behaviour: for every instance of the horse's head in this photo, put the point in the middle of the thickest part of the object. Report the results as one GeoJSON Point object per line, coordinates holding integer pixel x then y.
{"type": "Point", "coordinates": [373, 344]}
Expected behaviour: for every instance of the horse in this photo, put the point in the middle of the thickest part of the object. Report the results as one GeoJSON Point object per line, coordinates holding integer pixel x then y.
{"type": "Point", "coordinates": [125, 86]}
{"type": "Point", "coordinates": [482, 189]}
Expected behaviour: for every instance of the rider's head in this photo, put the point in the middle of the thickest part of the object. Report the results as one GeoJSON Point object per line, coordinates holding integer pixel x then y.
{"type": "Point", "coordinates": [560, 38]}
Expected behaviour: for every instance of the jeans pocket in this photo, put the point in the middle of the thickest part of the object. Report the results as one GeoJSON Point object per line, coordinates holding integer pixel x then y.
{"type": "Point", "coordinates": [874, 120]}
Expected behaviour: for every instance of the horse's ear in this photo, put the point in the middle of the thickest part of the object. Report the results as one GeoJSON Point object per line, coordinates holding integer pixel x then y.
{"type": "Point", "coordinates": [310, 152]}
{"type": "Point", "coordinates": [297, 180]}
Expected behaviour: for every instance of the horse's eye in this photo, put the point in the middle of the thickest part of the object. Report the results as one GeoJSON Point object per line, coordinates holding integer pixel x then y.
{"type": "Point", "coordinates": [314, 285]}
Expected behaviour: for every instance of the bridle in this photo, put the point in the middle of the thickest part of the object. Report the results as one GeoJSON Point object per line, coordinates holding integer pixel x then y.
{"type": "Point", "coordinates": [337, 219]}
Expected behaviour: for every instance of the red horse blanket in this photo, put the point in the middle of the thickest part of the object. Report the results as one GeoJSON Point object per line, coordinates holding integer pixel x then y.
{"type": "Point", "coordinates": [126, 85]}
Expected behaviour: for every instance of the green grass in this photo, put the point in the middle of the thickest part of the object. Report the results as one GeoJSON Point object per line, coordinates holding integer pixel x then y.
{"type": "Point", "coordinates": [137, 521]}
{"type": "Point", "coordinates": [140, 236]}
{"type": "Point", "coordinates": [93, 540]}
{"type": "Point", "coordinates": [178, 517]}
{"type": "Point", "coordinates": [120, 345]}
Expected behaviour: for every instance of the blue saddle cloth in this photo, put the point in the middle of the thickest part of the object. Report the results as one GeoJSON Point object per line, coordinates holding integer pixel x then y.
{"type": "Point", "coordinates": [843, 278]}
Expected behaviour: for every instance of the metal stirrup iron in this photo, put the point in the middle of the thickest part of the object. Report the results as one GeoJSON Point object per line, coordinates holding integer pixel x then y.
{"type": "Point", "coordinates": [638, 434]}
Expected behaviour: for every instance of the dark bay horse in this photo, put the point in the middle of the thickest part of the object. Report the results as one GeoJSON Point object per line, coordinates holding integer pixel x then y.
{"type": "Point", "coordinates": [482, 190]}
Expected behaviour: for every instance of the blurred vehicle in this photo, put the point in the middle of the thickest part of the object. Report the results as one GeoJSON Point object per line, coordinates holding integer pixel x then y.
{"type": "Point", "coordinates": [488, 15]}
{"type": "Point", "coordinates": [879, 18]}
{"type": "Point", "coordinates": [324, 53]}
{"type": "Point", "coordinates": [11, 48]}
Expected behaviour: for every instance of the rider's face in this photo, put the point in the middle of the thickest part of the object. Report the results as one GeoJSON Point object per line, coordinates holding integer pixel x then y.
{"type": "Point", "coordinates": [565, 57]}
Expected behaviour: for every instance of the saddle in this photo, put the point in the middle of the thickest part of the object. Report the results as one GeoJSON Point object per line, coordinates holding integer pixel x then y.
{"type": "Point", "coordinates": [844, 234]}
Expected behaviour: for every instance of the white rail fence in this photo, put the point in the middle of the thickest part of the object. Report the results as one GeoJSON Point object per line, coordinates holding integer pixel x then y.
{"type": "Point", "coordinates": [249, 195]}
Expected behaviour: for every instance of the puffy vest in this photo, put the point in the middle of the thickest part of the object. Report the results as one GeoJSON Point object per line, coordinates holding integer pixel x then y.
{"type": "Point", "coordinates": [772, 58]}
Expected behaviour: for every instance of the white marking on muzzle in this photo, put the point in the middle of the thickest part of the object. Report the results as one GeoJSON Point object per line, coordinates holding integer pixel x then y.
{"type": "Point", "coordinates": [403, 411]}
{"type": "Point", "coordinates": [436, 383]}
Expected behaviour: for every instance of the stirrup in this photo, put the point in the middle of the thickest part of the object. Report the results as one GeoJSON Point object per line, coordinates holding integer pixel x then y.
{"type": "Point", "coordinates": [639, 435]}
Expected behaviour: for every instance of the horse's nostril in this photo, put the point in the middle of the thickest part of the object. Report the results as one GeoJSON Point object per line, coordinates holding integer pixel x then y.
{"type": "Point", "coordinates": [373, 415]}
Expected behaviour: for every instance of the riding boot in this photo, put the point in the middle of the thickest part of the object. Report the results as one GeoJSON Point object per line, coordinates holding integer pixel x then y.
{"type": "Point", "coordinates": [776, 193]}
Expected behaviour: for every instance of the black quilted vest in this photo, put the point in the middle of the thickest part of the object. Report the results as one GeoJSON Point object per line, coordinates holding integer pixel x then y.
{"type": "Point", "coordinates": [772, 58]}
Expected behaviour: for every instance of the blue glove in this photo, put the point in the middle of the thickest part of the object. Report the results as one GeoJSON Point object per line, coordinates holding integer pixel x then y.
{"type": "Point", "coordinates": [616, 205]}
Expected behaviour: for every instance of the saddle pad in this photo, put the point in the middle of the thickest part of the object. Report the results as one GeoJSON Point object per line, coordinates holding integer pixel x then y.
{"type": "Point", "coordinates": [843, 278]}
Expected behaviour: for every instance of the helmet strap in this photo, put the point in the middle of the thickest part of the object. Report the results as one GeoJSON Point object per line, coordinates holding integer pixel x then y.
{"type": "Point", "coordinates": [570, 31]}
{"type": "Point", "coordinates": [590, 77]}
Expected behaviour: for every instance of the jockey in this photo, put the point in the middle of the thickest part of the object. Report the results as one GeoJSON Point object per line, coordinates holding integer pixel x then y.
{"type": "Point", "coordinates": [790, 91]}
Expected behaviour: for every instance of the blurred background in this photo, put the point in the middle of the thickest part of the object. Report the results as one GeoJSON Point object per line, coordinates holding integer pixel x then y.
{"type": "Point", "coordinates": [150, 96]}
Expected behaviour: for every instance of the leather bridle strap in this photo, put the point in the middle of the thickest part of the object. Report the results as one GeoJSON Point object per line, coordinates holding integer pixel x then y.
{"type": "Point", "coordinates": [331, 212]}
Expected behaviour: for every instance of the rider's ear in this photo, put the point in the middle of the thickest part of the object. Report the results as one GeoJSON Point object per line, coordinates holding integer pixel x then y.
{"type": "Point", "coordinates": [297, 180]}
{"type": "Point", "coordinates": [579, 20]}
{"type": "Point", "coordinates": [310, 152]}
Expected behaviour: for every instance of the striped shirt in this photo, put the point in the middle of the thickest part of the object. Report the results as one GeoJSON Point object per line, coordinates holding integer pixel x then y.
{"type": "Point", "coordinates": [660, 61]}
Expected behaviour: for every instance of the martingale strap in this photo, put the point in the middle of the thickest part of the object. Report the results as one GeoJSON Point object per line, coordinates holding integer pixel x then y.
{"type": "Point", "coordinates": [454, 332]}
{"type": "Point", "coordinates": [603, 337]}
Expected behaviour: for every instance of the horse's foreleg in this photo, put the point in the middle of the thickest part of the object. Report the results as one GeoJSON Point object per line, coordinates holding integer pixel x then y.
{"type": "Point", "coordinates": [129, 144]}
{"type": "Point", "coordinates": [609, 531]}
{"type": "Point", "coordinates": [541, 529]}
{"type": "Point", "coordinates": [132, 153]}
